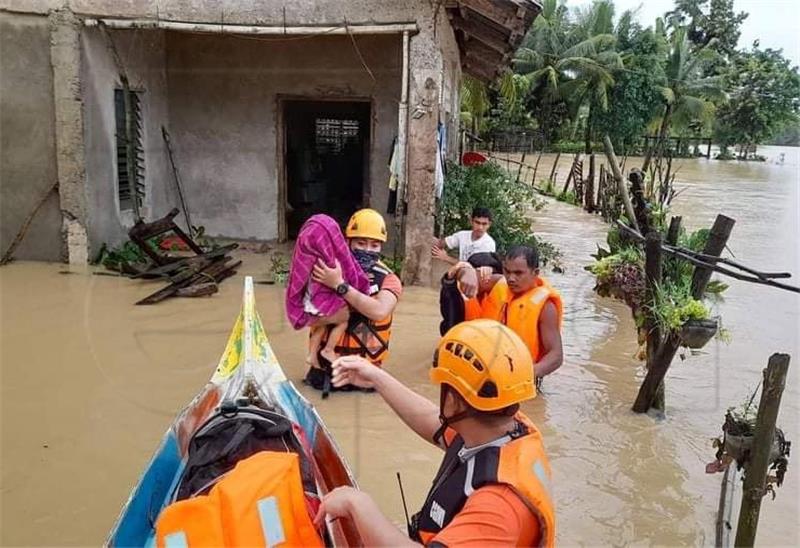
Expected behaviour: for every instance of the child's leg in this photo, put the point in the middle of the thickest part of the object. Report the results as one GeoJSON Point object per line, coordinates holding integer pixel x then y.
{"type": "Point", "coordinates": [329, 351]}
{"type": "Point", "coordinates": [314, 342]}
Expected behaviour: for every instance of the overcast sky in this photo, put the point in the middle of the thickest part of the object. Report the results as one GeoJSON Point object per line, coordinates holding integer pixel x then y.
{"type": "Point", "coordinates": [776, 23]}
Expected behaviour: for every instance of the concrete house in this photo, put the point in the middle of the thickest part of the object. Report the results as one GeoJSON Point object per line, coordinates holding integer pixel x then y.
{"type": "Point", "coordinates": [274, 110]}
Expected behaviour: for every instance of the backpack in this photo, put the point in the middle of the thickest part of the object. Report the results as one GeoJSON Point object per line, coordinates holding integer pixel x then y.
{"type": "Point", "coordinates": [235, 433]}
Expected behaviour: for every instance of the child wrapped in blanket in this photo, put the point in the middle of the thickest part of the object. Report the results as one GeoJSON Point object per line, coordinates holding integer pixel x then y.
{"type": "Point", "coordinates": [307, 302]}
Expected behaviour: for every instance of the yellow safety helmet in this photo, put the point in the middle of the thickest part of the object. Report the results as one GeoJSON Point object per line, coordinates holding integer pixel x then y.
{"type": "Point", "coordinates": [366, 223]}
{"type": "Point", "coordinates": [487, 363]}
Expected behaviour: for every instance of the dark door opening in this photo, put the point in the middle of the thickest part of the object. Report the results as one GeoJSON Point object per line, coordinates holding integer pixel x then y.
{"type": "Point", "coordinates": [327, 159]}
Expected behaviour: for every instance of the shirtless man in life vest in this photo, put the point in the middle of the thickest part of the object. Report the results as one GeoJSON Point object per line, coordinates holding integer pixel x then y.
{"type": "Point", "coordinates": [525, 301]}
{"type": "Point", "coordinates": [493, 486]}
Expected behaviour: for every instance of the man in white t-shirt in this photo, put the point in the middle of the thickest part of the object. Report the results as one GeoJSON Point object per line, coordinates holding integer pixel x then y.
{"type": "Point", "coordinates": [468, 242]}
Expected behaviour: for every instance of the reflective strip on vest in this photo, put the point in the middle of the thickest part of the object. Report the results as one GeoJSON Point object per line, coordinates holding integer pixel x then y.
{"type": "Point", "coordinates": [271, 521]}
{"type": "Point", "coordinates": [542, 476]}
{"type": "Point", "coordinates": [176, 540]}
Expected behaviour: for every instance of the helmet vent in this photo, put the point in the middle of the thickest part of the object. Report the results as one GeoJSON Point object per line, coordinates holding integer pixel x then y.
{"type": "Point", "coordinates": [477, 365]}
{"type": "Point", "coordinates": [488, 390]}
{"type": "Point", "coordinates": [459, 348]}
{"type": "Point", "coordinates": [436, 358]}
{"type": "Point", "coordinates": [468, 354]}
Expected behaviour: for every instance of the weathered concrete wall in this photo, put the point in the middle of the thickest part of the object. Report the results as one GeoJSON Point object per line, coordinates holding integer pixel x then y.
{"type": "Point", "coordinates": [223, 96]}
{"type": "Point", "coordinates": [142, 56]}
{"type": "Point", "coordinates": [27, 135]}
{"type": "Point", "coordinates": [297, 12]}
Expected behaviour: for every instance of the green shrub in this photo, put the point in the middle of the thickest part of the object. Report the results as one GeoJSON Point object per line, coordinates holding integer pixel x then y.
{"type": "Point", "coordinates": [510, 202]}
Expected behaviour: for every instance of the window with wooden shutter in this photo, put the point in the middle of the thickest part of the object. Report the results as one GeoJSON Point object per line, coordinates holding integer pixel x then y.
{"type": "Point", "coordinates": [130, 159]}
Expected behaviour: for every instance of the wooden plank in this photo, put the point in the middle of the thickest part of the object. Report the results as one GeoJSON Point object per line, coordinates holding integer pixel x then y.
{"type": "Point", "coordinates": [495, 40]}
{"type": "Point", "coordinates": [217, 271]}
{"type": "Point", "coordinates": [185, 262]}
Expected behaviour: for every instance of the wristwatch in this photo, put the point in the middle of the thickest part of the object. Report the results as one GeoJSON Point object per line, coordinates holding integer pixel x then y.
{"type": "Point", "coordinates": [342, 289]}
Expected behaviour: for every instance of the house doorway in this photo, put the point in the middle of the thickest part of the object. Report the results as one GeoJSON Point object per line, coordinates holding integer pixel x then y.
{"type": "Point", "coordinates": [326, 146]}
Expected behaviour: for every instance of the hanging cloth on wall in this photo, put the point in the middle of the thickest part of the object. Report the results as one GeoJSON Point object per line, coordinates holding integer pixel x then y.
{"type": "Point", "coordinates": [394, 177]}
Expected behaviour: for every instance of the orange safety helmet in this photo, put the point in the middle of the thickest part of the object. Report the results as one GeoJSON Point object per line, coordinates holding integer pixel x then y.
{"type": "Point", "coordinates": [486, 363]}
{"type": "Point", "coordinates": [366, 223]}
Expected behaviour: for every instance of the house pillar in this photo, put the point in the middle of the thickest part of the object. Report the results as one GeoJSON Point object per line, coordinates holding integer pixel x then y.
{"type": "Point", "coordinates": [65, 56]}
{"type": "Point", "coordinates": [423, 120]}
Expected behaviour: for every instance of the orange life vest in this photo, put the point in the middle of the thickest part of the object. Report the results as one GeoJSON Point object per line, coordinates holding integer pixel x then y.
{"type": "Point", "coordinates": [473, 308]}
{"type": "Point", "coordinates": [522, 313]}
{"type": "Point", "coordinates": [364, 337]}
{"type": "Point", "coordinates": [520, 462]}
{"type": "Point", "coordinates": [259, 503]}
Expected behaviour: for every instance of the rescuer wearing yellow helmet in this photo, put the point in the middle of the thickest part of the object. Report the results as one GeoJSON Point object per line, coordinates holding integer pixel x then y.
{"type": "Point", "coordinates": [492, 487]}
{"type": "Point", "coordinates": [370, 315]}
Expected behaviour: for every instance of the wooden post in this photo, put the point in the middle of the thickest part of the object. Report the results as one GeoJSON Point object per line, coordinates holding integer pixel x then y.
{"type": "Point", "coordinates": [589, 192]}
{"type": "Point", "coordinates": [621, 188]}
{"type": "Point", "coordinates": [662, 359]}
{"type": "Point", "coordinates": [521, 165]}
{"type": "Point", "coordinates": [571, 174]}
{"type": "Point", "coordinates": [601, 190]}
{"type": "Point", "coordinates": [536, 167]}
{"type": "Point", "coordinates": [755, 478]}
{"type": "Point", "coordinates": [708, 150]}
{"type": "Point", "coordinates": [555, 166]}
{"type": "Point", "coordinates": [653, 275]}
{"type": "Point", "coordinates": [717, 238]}
{"type": "Point", "coordinates": [674, 230]}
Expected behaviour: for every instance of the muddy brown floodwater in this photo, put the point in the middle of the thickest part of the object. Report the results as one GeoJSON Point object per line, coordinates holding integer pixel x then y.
{"type": "Point", "coordinates": [90, 382]}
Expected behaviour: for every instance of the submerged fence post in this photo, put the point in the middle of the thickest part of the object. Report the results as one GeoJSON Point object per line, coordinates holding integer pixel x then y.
{"type": "Point", "coordinates": [652, 269]}
{"type": "Point", "coordinates": [755, 479]}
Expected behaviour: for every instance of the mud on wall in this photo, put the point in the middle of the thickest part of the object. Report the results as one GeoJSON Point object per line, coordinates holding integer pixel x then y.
{"type": "Point", "coordinates": [27, 135]}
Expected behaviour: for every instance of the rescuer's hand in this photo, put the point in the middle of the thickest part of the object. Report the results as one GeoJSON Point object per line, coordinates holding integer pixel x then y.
{"type": "Point", "coordinates": [468, 279]}
{"type": "Point", "coordinates": [354, 370]}
{"type": "Point", "coordinates": [337, 504]}
{"type": "Point", "coordinates": [327, 276]}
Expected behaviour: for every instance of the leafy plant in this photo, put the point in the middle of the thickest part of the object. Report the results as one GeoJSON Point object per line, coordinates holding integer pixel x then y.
{"type": "Point", "coordinates": [279, 268]}
{"type": "Point", "coordinates": [395, 263]}
{"type": "Point", "coordinates": [674, 305]}
{"type": "Point", "coordinates": [568, 197]}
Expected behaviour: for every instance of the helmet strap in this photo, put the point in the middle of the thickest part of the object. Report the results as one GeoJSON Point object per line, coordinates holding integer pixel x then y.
{"type": "Point", "coordinates": [445, 420]}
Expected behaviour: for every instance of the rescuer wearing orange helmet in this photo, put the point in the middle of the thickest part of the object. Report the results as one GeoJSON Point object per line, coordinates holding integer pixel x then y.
{"type": "Point", "coordinates": [369, 316]}
{"type": "Point", "coordinates": [493, 484]}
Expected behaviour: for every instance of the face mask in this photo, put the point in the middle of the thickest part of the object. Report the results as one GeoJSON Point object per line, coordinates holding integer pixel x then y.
{"type": "Point", "coordinates": [366, 259]}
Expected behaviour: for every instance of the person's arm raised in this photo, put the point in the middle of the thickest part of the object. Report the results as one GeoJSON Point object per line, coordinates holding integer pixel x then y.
{"type": "Point", "coordinates": [419, 413]}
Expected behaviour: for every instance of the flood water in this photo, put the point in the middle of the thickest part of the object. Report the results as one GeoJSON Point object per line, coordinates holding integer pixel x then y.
{"type": "Point", "coordinates": [90, 382]}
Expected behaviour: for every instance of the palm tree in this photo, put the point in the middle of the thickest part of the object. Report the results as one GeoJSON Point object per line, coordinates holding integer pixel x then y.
{"type": "Point", "coordinates": [575, 63]}
{"type": "Point", "coordinates": [688, 95]}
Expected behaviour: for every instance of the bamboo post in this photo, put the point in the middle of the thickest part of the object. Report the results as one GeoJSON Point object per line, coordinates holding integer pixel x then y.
{"type": "Point", "coordinates": [601, 190]}
{"type": "Point", "coordinates": [662, 359]}
{"type": "Point", "coordinates": [521, 165]}
{"type": "Point", "coordinates": [621, 188]}
{"type": "Point", "coordinates": [755, 478]}
{"type": "Point", "coordinates": [555, 166]}
{"type": "Point", "coordinates": [571, 174]}
{"type": "Point", "coordinates": [589, 191]}
{"type": "Point", "coordinates": [536, 167]}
